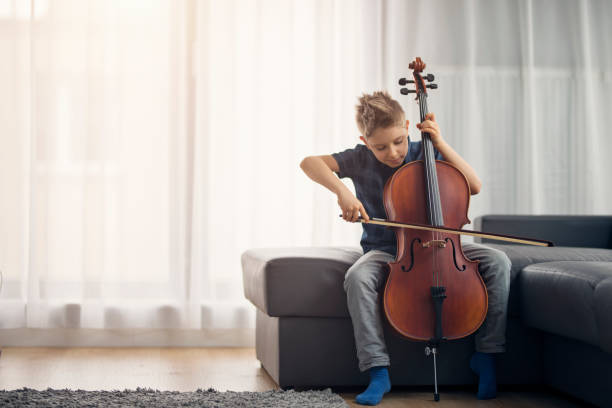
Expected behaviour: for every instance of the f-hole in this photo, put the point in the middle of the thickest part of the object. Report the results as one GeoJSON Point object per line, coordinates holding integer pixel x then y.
{"type": "Point", "coordinates": [412, 255]}
{"type": "Point", "coordinates": [455, 255]}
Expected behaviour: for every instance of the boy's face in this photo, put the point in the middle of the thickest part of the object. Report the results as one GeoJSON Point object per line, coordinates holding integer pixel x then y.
{"type": "Point", "coordinates": [389, 145]}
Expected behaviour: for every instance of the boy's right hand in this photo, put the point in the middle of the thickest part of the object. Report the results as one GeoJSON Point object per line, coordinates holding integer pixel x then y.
{"type": "Point", "coordinates": [351, 207]}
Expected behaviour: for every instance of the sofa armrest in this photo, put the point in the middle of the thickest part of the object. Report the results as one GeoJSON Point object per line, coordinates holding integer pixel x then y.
{"type": "Point", "coordinates": [588, 231]}
{"type": "Point", "coordinates": [298, 281]}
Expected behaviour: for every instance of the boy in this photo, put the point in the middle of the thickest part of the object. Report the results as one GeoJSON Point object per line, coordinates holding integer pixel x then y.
{"type": "Point", "coordinates": [387, 147]}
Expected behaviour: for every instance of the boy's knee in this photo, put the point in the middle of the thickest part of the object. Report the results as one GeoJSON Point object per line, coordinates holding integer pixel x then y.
{"type": "Point", "coordinates": [359, 278]}
{"type": "Point", "coordinates": [503, 261]}
{"type": "Point", "coordinates": [503, 264]}
{"type": "Point", "coordinates": [495, 266]}
{"type": "Point", "coordinates": [499, 259]}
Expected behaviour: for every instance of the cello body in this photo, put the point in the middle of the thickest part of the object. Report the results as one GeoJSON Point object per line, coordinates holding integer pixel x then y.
{"type": "Point", "coordinates": [407, 298]}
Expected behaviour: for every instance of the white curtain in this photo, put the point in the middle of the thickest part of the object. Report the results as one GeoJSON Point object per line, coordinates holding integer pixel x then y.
{"type": "Point", "coordinates": [146, 144]}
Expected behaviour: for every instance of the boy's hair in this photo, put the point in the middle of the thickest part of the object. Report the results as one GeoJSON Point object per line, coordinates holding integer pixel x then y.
{"type": "Point", "coordinates": [378, 110]}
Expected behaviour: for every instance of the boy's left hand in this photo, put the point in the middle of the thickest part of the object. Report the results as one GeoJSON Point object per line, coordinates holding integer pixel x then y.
{"type": "Point", "coordinates": [430, 126]}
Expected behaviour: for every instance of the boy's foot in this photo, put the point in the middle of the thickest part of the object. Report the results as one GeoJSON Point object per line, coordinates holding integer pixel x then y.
{"type": "Point", "coordinates": [379, 385]}
{"type": "Point", "coordinates": [483, 364]}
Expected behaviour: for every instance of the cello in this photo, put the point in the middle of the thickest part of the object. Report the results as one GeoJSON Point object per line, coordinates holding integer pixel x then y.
{"type": "Point", "coordinates": [433, 292]}
{"type": "Point", "coordinates": [430, 273]}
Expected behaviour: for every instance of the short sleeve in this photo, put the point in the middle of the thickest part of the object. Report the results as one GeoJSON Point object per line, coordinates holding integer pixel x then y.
{"type": "Point", "coordinates": [348, 161]}
{"type": "Point", "coordinates": [416, 152]}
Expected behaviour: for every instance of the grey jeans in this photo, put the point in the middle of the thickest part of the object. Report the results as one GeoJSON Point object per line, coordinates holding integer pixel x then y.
{"type": "Point", "coordinates": [364, 282]}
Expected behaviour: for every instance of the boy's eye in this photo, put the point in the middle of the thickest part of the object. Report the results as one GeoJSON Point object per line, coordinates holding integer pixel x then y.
{"type": "Point", "coordinates": [398, 142]}
{"type": "Point", "coordinates": [380, 149]}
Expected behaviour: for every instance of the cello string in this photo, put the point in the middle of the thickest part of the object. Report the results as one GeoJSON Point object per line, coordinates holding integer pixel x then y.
{"type": "Point", "coordinates": [428, 197]}
{"type": "Point", "coordinates": [436, 195]}
{"type": "Point", "coordinates": [429, 179]}
{"type": "Point", "coordinates": [433, 191]}
{"type": "Point", "coordinates": [427, 148]}
{"type": "Point", "coordinates": [440, 220]}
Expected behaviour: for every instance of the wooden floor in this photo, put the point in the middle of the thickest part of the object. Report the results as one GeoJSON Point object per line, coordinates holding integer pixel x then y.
{"type": "Point", "coordinates": [187, 369]}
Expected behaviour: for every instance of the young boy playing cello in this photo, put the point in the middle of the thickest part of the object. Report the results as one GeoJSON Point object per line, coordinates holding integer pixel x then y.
{"type": "Point", "coordinates": [384, 132]}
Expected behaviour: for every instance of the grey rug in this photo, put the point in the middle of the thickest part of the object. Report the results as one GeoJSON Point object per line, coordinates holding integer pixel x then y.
{"type": "Point", "coordinates": [143, 397]}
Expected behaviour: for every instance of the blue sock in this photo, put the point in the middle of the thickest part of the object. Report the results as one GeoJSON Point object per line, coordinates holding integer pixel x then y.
{"type": "Point", "coordinates": [483, 364]}
{"type": "Point", "coordinates": [379, 385]}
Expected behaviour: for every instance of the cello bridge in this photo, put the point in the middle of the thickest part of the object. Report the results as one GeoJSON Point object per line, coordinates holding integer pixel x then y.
{"type": "Point", "coordinates": [436, 242]}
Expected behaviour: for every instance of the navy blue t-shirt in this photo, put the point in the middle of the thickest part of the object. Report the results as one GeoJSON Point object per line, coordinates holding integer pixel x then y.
{"type": "Point", "coordinates": [369, 177]}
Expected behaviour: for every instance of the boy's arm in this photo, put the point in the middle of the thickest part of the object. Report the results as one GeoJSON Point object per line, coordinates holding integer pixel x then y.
{"type": "Point", "coordinates": [321, 170]}
{"type": "Point", "coordinates": [450, 155]}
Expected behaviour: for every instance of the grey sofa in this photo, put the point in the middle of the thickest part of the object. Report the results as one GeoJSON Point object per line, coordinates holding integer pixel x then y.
{"type": "Point", "coordinates": [559, 322]}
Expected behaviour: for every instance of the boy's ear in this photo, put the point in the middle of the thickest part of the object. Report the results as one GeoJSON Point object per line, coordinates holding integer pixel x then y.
{"type": "Point", "coordinates": [363, 139]}
{"type": "Point", "coordinates": [407, 123]}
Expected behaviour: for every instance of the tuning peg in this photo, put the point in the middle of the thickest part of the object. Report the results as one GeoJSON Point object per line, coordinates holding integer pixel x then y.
{"type": "Point", "coordinates": [404, 81]}
{"type": "Point", "coordinates": [432, 86]}
{"type": "Point", "coordinates": [406, 91]}
{"type": "Point", "coordinates": [429, 77]}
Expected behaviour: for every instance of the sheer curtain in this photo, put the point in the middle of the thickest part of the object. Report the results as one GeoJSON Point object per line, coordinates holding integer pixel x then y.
{"type": "Point", "coordinates": [96, 144]}
{"type": "Point", "coordinates": [146, 144]}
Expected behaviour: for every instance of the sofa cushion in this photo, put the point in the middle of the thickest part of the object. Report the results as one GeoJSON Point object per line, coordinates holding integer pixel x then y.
{"type": "Point", "coordinates": [298, 281]}
{"type": "Point", "coordinates": [524, 255]}
{"type": "Point", "coordinates": [569, 298]}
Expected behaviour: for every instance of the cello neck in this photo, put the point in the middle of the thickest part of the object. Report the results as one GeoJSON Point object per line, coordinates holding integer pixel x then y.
{"type": "Point", "coordinates": [432, 193]}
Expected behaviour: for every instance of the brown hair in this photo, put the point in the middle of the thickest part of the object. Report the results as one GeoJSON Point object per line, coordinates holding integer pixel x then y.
{"type": "Point", "coordinates": [378, 110]}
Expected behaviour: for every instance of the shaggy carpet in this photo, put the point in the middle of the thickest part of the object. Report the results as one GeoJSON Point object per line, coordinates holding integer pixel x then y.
{"type": "Point", "coordinates": [141, 397]}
